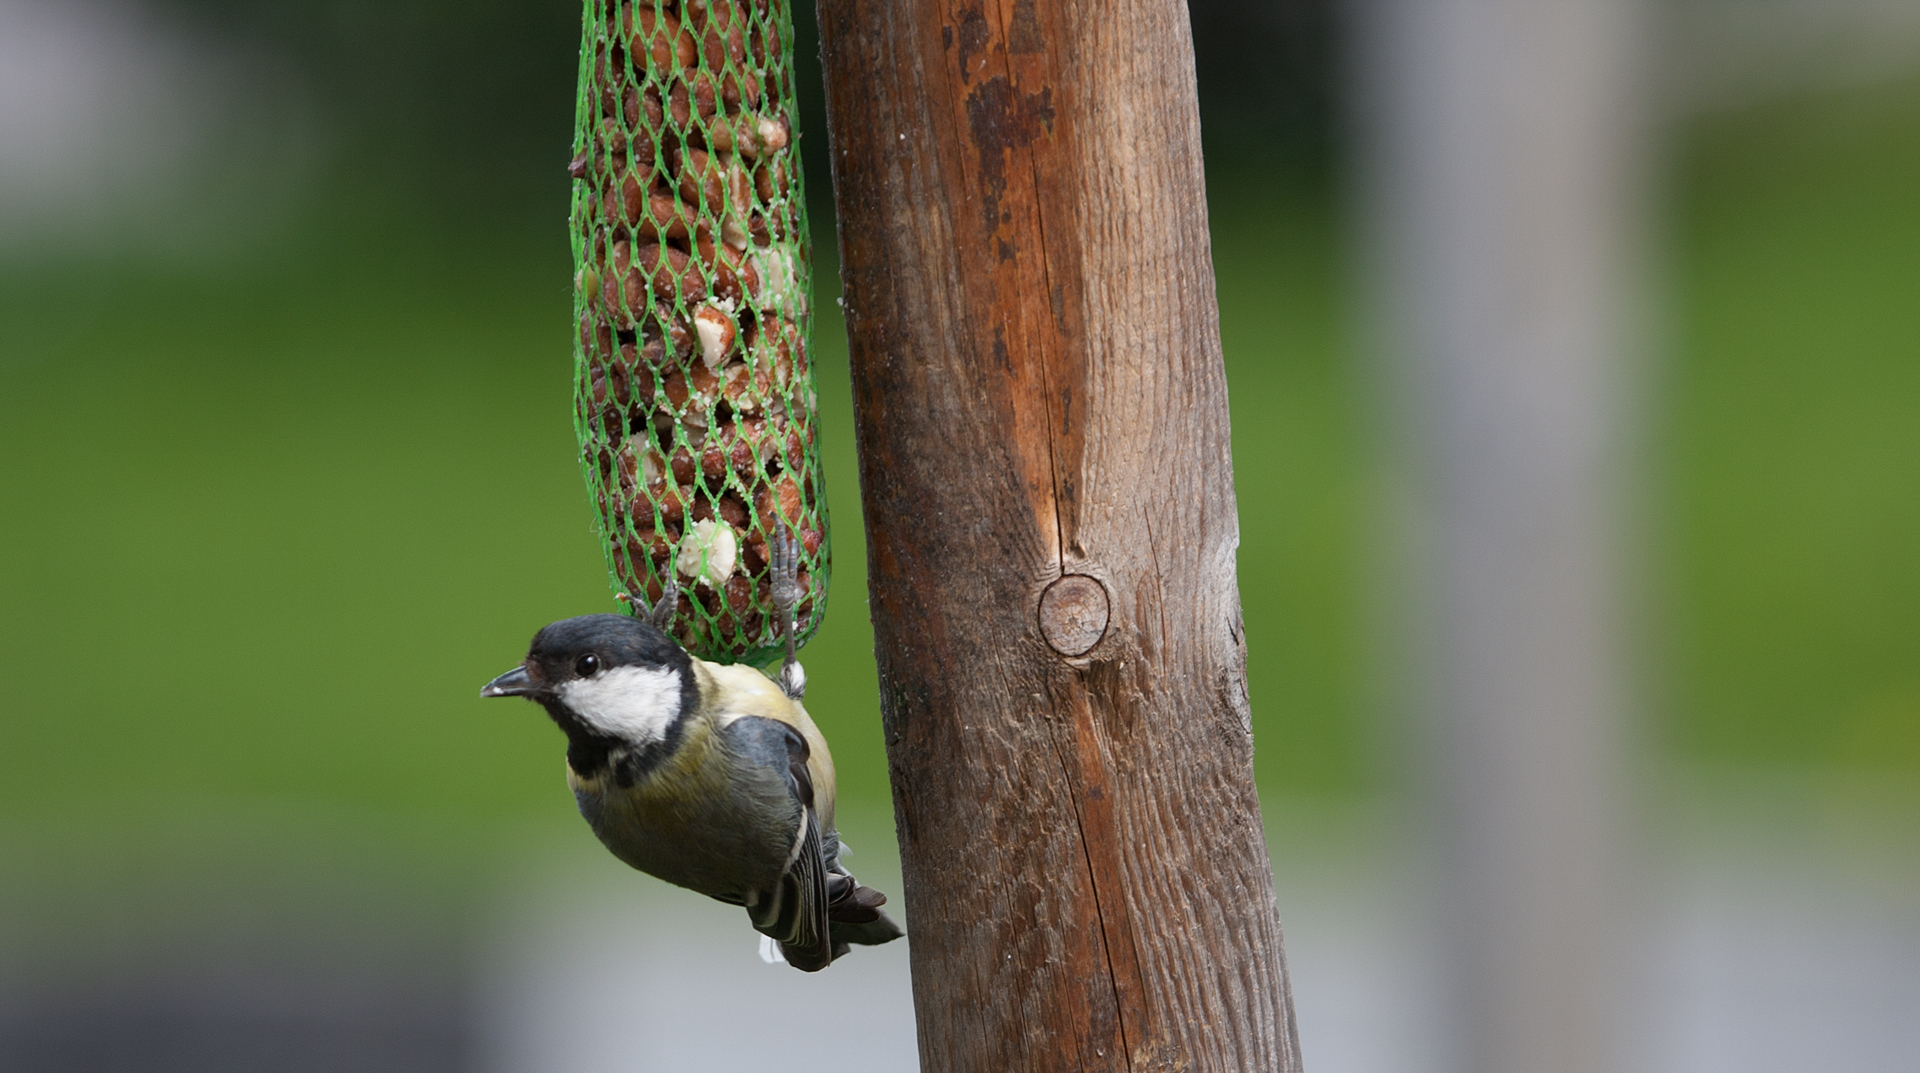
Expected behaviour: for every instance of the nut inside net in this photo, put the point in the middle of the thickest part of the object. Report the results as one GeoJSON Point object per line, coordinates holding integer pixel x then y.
{"type": "Point", "coordinates": [695, 401]}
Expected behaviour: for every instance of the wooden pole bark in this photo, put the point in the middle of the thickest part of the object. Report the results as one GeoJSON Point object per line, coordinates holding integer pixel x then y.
{"type": "Point", "coordinates": [1044, 461]}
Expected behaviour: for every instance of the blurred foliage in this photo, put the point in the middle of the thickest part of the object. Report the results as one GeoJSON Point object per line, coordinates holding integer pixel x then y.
{"type": "Point", "coordinates": [1268, 75]}
{"type": "Point", "coordinates": [1792, 457]}
{"type": "Point", "coordinates": [449, 106]}
{"type": "Point", "coordinates": [1299, 474]}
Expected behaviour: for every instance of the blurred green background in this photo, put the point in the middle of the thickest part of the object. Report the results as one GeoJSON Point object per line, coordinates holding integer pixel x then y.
{"type": "Point", "coordinates": [273, 514]}
{"type": "Point", "coordinates": [1787, 448]}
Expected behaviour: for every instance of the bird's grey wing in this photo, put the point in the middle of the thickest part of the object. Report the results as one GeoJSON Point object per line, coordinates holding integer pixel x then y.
{"type": "Point", "coordinates": [802, 929]}
{"type": "Point", "coordinates": [794, 912]}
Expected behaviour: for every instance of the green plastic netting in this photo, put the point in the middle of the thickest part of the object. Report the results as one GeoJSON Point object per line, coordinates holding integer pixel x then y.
{"type": "Point", "coordinates": [695, 402]}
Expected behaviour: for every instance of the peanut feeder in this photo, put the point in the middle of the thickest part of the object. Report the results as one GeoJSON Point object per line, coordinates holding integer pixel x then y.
{"type": "Point", "coordinates": [695, 403]}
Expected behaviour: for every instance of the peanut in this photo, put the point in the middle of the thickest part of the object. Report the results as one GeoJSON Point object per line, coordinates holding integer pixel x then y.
{"type": "Point", "coordinates": [660, 38]}
{"type": "Point", "coordinates": [713, 183]}
{"type": "Point", "coordinates": [717, 331]}
{"type": "Point", "coordinates": [669, 271]}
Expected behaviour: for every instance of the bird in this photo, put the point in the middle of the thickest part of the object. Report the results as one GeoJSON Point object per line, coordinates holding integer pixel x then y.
{"type": "Point", "coordinates": [709, 776]}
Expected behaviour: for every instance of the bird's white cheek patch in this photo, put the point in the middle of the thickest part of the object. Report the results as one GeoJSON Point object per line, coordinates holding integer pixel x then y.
{"type": "Point", "coordinates": [634, 703]}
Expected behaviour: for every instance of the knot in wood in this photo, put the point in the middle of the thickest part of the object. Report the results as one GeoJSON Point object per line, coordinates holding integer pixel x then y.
{"type": "Point", "coordinates": [1073, 614]}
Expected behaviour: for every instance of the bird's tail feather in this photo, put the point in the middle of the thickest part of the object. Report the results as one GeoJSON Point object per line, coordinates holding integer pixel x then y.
{"type": "Point", "coordinates": [874, 932]}
{"type": "Point", "coordinates": [853, 913]}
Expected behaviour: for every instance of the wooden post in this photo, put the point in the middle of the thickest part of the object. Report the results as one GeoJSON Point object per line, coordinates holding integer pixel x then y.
{"type": "Point", "coordinates": [1042, 421]}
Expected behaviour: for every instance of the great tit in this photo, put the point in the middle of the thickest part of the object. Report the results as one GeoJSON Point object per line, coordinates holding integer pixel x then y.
{"type": "Point", "coordinates": [706, 775]}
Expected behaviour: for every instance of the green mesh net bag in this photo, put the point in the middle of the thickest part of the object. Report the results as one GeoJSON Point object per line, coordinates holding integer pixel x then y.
{"type": "Point", "coordinates": [695, 402]}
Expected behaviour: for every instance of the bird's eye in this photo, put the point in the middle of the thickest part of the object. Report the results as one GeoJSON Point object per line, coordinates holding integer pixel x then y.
{"type": "Point", "coordinates": [587, 666]}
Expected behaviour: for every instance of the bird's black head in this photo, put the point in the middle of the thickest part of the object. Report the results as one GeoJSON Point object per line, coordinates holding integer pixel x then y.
{"type": "Point", "coordinates": [592, 645]}
{"type": "Point", "coordinates": [611, 678]}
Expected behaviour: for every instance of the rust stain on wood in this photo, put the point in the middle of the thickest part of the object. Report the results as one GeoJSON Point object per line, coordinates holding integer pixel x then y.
{"type": "Point", "coordinates": [1023, 36]}
{"type": "Point", "coordinates": [1001, 118]}
{"type": "Point", "coordinates": [974, 34]}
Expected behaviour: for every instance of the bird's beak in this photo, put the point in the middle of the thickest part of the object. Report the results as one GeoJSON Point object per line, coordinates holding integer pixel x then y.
{"type": "Point", "coordinates": [514, 683]}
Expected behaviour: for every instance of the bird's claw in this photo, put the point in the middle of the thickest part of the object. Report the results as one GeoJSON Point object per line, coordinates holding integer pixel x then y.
{"type": "Point", "coordinates": [666, 606]}
{"type": "Point", "coordinates": [660, 615]}
{"type": "Point", "coordinates": [784, 559]}
{"type": "Point", "coordinates": [786, 572]}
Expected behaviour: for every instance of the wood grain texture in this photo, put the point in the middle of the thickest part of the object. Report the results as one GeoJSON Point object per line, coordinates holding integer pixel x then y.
{"type": "Point", "coordinates": [1039, 392]}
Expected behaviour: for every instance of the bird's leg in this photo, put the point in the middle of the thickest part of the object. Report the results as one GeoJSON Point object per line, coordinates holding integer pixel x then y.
{"type": "Point", "coordinates": [667, 605]}
{"type": "Point", "coordinates": [661, 614]}
{"type": "Point", "coordinates": [786, 597]}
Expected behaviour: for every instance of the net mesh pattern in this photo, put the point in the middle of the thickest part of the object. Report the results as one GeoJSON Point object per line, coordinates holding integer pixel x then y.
{"type": "Point", "coordinates": [695, 402]}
